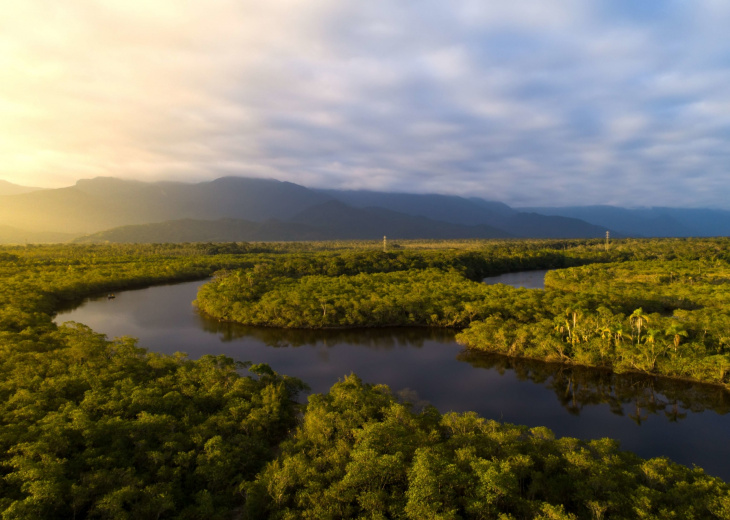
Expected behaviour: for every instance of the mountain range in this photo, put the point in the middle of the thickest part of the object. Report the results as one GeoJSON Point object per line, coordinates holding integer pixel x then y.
{"type": "Point", "coordinates": [649, 222]}
{"type": "Point", "coordinates": [246, 209]}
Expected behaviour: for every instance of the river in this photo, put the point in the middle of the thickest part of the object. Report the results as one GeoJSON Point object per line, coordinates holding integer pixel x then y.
{"type": "Point", "coordinates": [652, 417]}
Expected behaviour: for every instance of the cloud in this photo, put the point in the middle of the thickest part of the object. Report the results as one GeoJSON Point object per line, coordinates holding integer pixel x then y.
{"type": "Point", "coordinates": [534, 104]}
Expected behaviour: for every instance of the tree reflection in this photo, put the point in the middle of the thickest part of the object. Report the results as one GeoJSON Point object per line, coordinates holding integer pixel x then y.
{"type": "Point", "coordinates": [639, 394]}
{"type": "Point", "coordinates": [636, 396]}
{"type": "Point", "coordinates": [377, 338]}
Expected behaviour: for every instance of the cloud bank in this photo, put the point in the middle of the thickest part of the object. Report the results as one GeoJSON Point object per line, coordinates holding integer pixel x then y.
{"type": "Point", "coordinates": [529, 102]}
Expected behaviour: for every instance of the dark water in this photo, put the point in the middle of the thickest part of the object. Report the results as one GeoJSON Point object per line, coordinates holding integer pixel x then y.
{"type": "Point", "coordinates": [526, 279]}
{"type": "Point", "coordinates": [653, 417]}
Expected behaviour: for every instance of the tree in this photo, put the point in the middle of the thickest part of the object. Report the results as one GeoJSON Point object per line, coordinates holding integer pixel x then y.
{"type": "Point", "coordinates": [676, 333]}
{"type": "Point", "coordinates": [638, 319]}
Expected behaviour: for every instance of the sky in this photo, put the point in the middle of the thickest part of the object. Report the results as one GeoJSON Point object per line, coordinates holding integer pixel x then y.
{"type": "Point", "coordinates": [533, 103]}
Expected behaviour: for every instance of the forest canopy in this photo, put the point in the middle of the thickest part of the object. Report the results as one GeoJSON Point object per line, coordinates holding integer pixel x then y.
{"type": "Point", "coordinates": [99, 428]}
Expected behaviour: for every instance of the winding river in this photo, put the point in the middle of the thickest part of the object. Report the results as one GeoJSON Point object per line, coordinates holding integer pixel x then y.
{"type": "Point", "coordinates": [688, 423]}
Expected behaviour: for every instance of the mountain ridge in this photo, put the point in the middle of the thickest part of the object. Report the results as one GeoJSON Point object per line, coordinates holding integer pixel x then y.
{"type": "Point", "coordinates": [284, 210]}
{"type": "Point", "coordinates": [9, 188]}
{"type": "Point", "coordinates": [654, 221]}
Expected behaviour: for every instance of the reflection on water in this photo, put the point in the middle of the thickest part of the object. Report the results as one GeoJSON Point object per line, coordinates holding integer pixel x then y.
{"type": "Point", "coordinates": [525, 279]}
{"type": "Point", "coordinates": [650, 416]}
{"type": "Point", "coordinates": [578, 387]}
{"type": "Point", "coordinates": [373, 338]}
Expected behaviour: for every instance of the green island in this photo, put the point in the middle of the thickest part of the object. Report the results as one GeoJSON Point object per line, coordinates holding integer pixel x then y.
{"type": "Point", "coordinates": [99, 428]}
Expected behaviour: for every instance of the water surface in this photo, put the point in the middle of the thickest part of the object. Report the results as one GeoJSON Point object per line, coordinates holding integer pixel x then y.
{"type": "Point", "coordinates": [650, 416]}
{"type": "Point", "coordinates": [526, 279]}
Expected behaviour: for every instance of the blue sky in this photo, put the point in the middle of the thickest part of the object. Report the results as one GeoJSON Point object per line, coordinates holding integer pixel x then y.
{"type": "Point", "coordinates": [623, 102]}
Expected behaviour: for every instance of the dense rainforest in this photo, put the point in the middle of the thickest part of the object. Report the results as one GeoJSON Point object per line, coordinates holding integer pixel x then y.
{"type": "Point", "coordinates": [669, 317]}
{"type": "Point", "coordinates": [662, 311]}
{"type": "Point", "coordinates": [99, 428]}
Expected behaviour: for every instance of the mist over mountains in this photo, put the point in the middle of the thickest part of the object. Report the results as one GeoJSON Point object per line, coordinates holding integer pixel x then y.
{"type": "Point", "coordinates": [247, 209]}
{"type": "Point", "coordinates": [8, 188]}
{"type": "Point", "coordinates": [649, 222]}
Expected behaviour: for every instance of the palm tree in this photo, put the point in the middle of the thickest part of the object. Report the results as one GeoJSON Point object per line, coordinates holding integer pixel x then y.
{"type": "Point", "coordinates": [638, 319]}
{"type": "Point", "coordinates": [618, 333]}
{"type": "Point", "coordinates": [651, 354]}
{"type": "Point", "coordinates": [676, 332]}
{"type": "Point", "coordinates": [651, 335]}
{"type": "Point", "coordinates": [571, 315]}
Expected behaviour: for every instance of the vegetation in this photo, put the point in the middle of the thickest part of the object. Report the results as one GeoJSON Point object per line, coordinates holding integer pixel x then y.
{"type": "Point", "coordinates": [369, 288]}
{"type": "Point", "coordinates": [660, 307]}
{"type": "Point", "coordinates": [361, 454]}
{"type": "Point", "coordinates": [92, 428]}
{"type": "Point", "coordinates": [665, 317]}
{"type": "Point", "coordinates": [103, 429]}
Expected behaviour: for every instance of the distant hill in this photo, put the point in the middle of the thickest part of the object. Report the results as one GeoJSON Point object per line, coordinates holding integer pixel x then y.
{"type": "Point", "coordinates": [222, 230]}
{"type": "Point", "coordinates": [649, 222]}
{"type": "Point", "coordinates": [343, 222]}
{"type": "Point", "coordinates": [329, 221]}
{"type": "Point", "coordinates": [497, 216]}
{"type": "Point", "coordinates": [446, 208]}
{"type": "Point", "coordinates": [290, 211]}
{"type": "Point", "coordinates": [11, 235]}
{"type": "Point", "coordinates": [533, 225]}
{"type": "Point", "coordinates": [334, 220]}
{"type": "Point", "coordinates": [97, 204]}
{"type": "Point", "coordinates": [237, 208]}
{"type": "Point", "coordinates": [8, 188]}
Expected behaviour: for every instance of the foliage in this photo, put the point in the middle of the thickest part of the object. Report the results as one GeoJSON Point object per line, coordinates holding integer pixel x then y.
{"type": "Point", "coordinates": [370, 288]}
{"type": "Point", "coordinates": [360, 453]}
{"type": "Point", "coordinates": [103, 429]}
{"type": "Point", "coordinates": [92, 428]}
{"type": "Point", "coordinates": [427, 297]}
{"type": "Point", "coordinates": [664, 317]}
{"type": "Point", "coordinates": [658, 307]}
